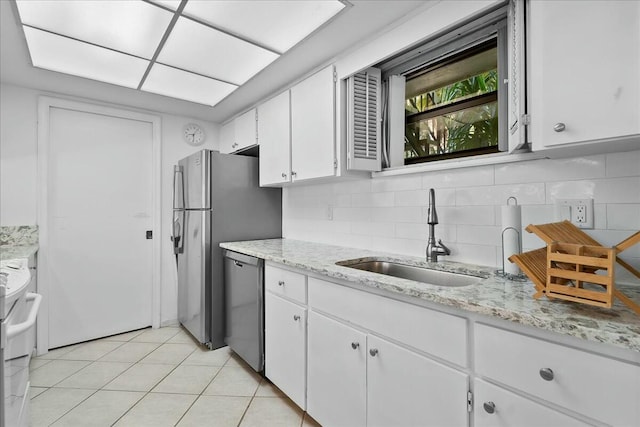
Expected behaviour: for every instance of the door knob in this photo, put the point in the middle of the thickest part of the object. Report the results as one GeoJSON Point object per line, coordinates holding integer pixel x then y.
{"type": "Point", "coordinates": [559, 127]}
{"type": "Point", "coordinates": [281, 283]}
{"type": "Point", "coordinates": [373, 352]}
{"type": "Point", "coordinates": [296, 317]}
{"type": "Point", "coordinates": [355, 345]}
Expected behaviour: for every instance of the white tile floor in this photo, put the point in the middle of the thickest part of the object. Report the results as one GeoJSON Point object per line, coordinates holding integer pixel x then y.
{"type": "Point", "coordinates": [154, 377]}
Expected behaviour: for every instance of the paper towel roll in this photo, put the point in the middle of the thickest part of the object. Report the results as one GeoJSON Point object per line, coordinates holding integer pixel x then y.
{"type": "Point", "coordinates": [511, 241]}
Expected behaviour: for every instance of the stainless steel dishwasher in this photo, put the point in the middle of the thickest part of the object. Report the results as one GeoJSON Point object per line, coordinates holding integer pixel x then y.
{"type": "Point", "coordinates": [244, 296]}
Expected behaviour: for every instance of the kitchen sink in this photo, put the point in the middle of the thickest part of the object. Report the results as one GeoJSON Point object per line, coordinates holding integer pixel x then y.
{"type": "Point", "coordinates": [419, 274]}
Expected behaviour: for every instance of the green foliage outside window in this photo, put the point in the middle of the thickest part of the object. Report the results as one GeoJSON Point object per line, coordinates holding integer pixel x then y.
{"type": "Point", "coordinates": [470, 122]}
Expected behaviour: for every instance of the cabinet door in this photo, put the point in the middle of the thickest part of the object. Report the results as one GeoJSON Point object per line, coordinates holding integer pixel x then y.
{"type": "Point", "coordinates": [313, 126]}
{"type": "Point", "coordinates": [274, 137]}
{"type": "Point", "coordinates": [406, 389]}
{"type": "Point", "coordinates": [496, 407]}
{"type": "Point", "coordinates": [584, 68]}
{"type": "Point", "coordinates": [336, 383]}
{"type": "Point", "coordinates": [245, 130]}
{"type": "Point", "coordinates": [227, 137]}
{"type": "Point", "coordinates": [285, 347]}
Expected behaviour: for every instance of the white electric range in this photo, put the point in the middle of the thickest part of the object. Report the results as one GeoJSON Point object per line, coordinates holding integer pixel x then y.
{"type": "Point", "coordinates": [18, 312]}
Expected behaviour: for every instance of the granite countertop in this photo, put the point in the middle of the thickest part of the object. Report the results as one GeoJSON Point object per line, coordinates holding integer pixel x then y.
{"type": "Point", "coordinates": [17, 251]}
{"type": "Point", "coordinates": [18, 241]}
{"type": "Point", "coordinates": [495, 296]}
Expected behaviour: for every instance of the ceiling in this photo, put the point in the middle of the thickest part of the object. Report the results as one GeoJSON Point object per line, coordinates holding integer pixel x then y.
{"type": "Point", "coordinates": [343, 32]}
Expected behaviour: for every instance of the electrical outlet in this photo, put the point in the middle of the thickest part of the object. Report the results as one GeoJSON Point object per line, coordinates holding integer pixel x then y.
{"type": "Point", "coordinates": [578, 211]}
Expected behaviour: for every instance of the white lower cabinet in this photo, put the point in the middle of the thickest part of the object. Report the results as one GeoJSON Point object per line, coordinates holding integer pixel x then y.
{"type": "Point", "coordinates": [286, 347]}
{"type": "Point", "coordinates": [595, 386]}
{"type": "Point", "coordinates": [357, 378]}
{"type": "Point", "coordinates": [497, 407]}
{"type": "Point", "coordinates": [408, 389]}
{"type": "Point", "coordinates": [354, 358]}
{"type": "Point", "coordinates": [336, 380]}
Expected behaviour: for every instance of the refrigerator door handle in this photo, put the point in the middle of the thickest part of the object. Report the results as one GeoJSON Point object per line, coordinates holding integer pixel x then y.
{"type": "Point", "coordinates": [178, 226]}
{"type": "Point", "coordinates": [177, 172]}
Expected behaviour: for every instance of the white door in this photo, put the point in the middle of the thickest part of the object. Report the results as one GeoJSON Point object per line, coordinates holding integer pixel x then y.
{"type": "Point", "coordinates": [585, 68]}
{"type": "Point", "coordinates": [285, 346]}
{"type": "Point", "coordinates": [274, 138]}
{"type": "Point", "coordinates": [99, 207]}
{"type": "Point", "coordinates": [245, 131]}
{"type": "Point", "coordinates": [313, 126]}
{"type": "Point", "coordinates": [336, 373]}
{"type": "Point", "coordinates": [406, 389]}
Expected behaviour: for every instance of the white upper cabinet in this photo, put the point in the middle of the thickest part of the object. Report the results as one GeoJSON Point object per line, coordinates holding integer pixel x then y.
{"type": "Point", "coordinates": [313, 105]}
{"type": "Point", "coordinates": [584, 71]}
{"type": "Point", "coordinates": [239, 133]}
{"type": "Point", "coordinates": [245, 127]}
{"type": "Point", "coordinates": [227, 137]}
{"type": "Point", "coordinates": [274, 137]}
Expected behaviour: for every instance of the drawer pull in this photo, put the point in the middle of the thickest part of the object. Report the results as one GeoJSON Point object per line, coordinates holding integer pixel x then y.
{"type": "Point", "coordinates": [373, 352]}
{"type": "Point", "coordinates": [490, 407]}
{"type": "Point", "coordinates": [546, 374]}
{"type": "Point", "coordinates": [281, 283]}
{"type": "Point", "coordinates": [355, 345]}
{"type": "Point", "coordinates": [296, 317]}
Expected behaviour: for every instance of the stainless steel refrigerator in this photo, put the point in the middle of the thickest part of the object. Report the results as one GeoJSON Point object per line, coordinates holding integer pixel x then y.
{"type": "Point", "coordinates": [216, 198]}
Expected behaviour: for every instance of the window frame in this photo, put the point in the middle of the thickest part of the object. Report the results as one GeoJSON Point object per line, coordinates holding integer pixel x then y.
{"type": "Point", "coordinates": [452, 45]}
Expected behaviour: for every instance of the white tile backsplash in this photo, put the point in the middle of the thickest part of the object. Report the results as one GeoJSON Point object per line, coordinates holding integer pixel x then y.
{"type": "Point", "coordinates": [551, 170]}
{"type": "Point", "coordinates": [622, 216]}
{"type": "Point", "coordinates": [389, 213]}
{"type": "Point", "coordinates": [457, 178]}
{"type": "Point", "coordinates": [623, 164]}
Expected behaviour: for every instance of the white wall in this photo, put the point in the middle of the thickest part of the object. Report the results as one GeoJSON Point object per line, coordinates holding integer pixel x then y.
{"type": "Point", "coordinates": [18, 172]}
{"type": "Point", "coordinates": [389, 213]}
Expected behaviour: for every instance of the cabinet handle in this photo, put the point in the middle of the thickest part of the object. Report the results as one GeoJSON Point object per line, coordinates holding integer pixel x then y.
{"type": "Point", "coordinates": [559, 127]}
{"type": "Point", "coordinates": [355, 345]}
{"type": "Point", "coordinates": [234, 145]}
{"type": "Point", "coordinates": [284, 175]}
{"type": "Point", "coordinates": [296, 317]}
{"type": "Point", "coordinates": [490, 407]}
{"type": "Point", "coordinates": [281, 283]}
{"type": "Point", "coordinates": [293, 173]}
{"type": "Point", "coordinates": [546, 374]}
{"type": "Point", "coordinates": [373, 352]}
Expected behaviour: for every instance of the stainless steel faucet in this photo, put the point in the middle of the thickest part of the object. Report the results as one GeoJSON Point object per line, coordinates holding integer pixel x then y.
{"type": "Point", "coordinates": [434, 249]}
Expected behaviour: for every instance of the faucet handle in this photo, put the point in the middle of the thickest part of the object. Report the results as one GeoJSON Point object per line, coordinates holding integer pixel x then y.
{"type": "Point", "coordinates": [447, 251]}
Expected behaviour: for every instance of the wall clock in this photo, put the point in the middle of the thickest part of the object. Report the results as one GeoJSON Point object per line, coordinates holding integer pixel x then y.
{"type": "Point", "coordinates": [193, 134]}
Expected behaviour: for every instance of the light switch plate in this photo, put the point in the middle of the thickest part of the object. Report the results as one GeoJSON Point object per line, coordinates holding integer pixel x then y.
{"type": "Point", "coordinates": [578, 211]}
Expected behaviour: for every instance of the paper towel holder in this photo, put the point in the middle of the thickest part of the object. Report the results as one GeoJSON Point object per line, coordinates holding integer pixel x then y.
{"type": "Point", "coordinates": [520, 276]}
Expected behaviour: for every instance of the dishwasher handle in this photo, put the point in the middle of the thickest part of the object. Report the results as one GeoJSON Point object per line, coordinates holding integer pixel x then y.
{"type": "Point", "coordinates": [241, 260]}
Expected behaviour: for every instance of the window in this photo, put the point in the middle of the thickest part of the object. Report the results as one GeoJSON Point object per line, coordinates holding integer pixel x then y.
{"type": "Point", "coordinates": [451, 107]}
{"type": "Point", "coordinates": [453, 102]}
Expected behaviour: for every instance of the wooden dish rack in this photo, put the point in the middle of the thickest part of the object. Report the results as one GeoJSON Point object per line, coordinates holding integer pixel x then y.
{"type": "Point", "coordinates": [574, 266]}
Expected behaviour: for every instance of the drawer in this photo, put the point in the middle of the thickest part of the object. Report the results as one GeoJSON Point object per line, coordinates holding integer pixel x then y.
{"type": "Point", "coordinates": [286, 283]}
{"type": "Point", "coordinates": [439, 334]}
{"type": "Point", "coordinates": [596, 386]}
{"type": "Point", "coordinates": [507, 409]}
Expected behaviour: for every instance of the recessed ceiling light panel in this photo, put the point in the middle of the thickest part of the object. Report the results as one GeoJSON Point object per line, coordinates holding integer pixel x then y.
{"type": "Point", "coordinates": [65, 55]}
{"type": "Point", "coordinates": [276, 24]}
{"type": "Point", "coordinates": [171, 4]}
{"type": "Point", "coordinates": [133, 27]}
{"type": "Point", "coordinates": [201, 49]}
{"type": "Point", "coordinates": [180, 84]}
